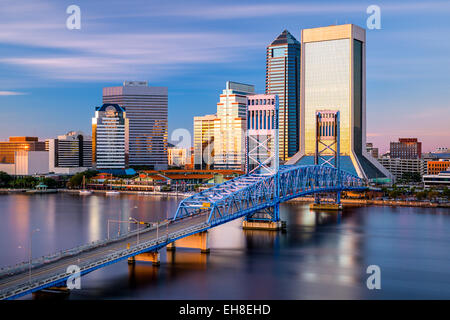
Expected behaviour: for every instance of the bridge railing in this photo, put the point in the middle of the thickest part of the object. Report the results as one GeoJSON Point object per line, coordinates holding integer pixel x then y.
{"type": "Point", "coordinates": [41, 261]}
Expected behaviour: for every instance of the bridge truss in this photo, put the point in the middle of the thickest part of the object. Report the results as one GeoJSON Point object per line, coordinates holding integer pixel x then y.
{"type": "Point", "coordinates": [259, 195]}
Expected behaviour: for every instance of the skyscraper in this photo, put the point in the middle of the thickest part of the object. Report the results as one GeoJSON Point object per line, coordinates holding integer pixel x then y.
{"type": "Point", "coordinates": [333, 77]}
{"type": "Point", "coordinates": [147, 110]}
{"type": "Point", "coordinates": [283, 79]}
{"type": "Point", "coordinates": [230, 126]}
{"type": "Point", "coordinates": [110, 137]}
{"type": "Point", "coordinates": [204, 141]}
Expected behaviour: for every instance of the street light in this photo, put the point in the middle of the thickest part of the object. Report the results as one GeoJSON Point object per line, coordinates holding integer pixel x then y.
{"type": "Point", "coordinates": [138, 223]}
{"type": "Point", "coordinates": [31, 236]}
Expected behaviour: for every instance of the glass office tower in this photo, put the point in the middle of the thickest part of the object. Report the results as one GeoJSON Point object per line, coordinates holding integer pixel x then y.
{"type": "Point", "coordinates": [283, 79]}
{"type": "Point", "coordinates": [147, 111]}
{"type": "Point", "coordinates": [333, 77]}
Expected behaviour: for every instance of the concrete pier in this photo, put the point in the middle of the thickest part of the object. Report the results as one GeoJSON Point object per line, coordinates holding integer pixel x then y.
{"type": "Point", "coordinates": [326, 206]}
{"type": "Point", "coordinates": [263, 225]}
{"type": "Point", "coordinates": [195, 241]}
{"type": "Point", "coordinates": [152, 257]}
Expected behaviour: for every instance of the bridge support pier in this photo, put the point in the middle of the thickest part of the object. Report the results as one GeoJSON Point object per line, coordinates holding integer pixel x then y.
{"type": "Point", "coordinates": [152, 257]}
{"type": "Point", "coordinates": [263, 225]}
{"type": "Point", "coordinates": [195, 241]}
{"type": "Point", "coordinates": [52, 292]}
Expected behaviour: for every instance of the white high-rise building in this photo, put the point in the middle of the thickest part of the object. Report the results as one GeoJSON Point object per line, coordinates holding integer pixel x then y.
{"type": "Point", "coordinates": [110, 137]}
{"type": "Point", "coordinates": [230, 126]}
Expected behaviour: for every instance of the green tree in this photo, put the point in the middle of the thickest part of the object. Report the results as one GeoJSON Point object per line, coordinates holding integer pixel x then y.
{"type": "Point", "coordinates": [5, 179]}
{"type": "Point", "coordinates": [76, 180]}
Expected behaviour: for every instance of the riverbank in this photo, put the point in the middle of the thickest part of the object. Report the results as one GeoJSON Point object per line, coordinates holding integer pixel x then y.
{"type": "Point", "coordinates": [391, 203]}
{"type": "Point", "coordinates": [141, 193]}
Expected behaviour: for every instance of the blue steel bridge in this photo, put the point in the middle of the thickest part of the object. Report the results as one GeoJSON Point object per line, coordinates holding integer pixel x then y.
{"type": "Point", "coordinates": [253, 196]}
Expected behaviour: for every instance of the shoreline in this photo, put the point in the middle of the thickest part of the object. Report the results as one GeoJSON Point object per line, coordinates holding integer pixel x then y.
{"type": "Point", "coordinates": [365, 202]}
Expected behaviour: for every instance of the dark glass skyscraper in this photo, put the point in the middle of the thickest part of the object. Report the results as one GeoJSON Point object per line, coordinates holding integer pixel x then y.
{"type": "Point", "coordinates": [283, 79]}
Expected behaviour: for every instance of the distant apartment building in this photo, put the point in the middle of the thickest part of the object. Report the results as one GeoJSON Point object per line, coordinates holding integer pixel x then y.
{"type": "Point", "coordinates": [8, 148]}
{"type": "Point", "coordinates": [436, 167]}
{"type": "Point", "coordinates": [230, 126]}
{"type": "Point", "coordinates": [371, 150]}
{"type": "Point", "coordinates": [406, 148]}
{"type": "Point", "coordinates": [110, 137]}
{"type": "Point", "coordinates": [147, 110]}
{"type": "Point", "coordinates": [397, 166]}
{"type": "Point", "coordinates": [442, 150]}
{"type": "Point", "coordinates": [70, 153]}
{"type": "Point", "coordinates": [204, 141]}
{"type": "Point", "coordinates": [283, 79]}
{"type": "Point", "coordinates": [178, 156]}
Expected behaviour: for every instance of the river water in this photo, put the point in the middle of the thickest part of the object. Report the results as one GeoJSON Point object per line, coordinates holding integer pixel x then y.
{"type": "Point", "coordinates": [320, 256]}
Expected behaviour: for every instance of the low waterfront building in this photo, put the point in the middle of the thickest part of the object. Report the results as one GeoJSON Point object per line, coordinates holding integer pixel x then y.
{"type": "Point", "coordinates": [441, 180]}
{"type": "Point", "coordinates": [27, 163]}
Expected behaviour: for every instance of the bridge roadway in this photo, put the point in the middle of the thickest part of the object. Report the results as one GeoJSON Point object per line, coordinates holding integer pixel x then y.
{"type": "Point", "coordinates": [54, 273]}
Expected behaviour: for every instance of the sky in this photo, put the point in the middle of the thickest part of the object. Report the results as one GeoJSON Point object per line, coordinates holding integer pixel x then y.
{"type": "Point", "coordinates": [51, 78]}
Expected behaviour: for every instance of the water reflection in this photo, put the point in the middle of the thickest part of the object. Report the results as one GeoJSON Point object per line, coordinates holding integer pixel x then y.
{"type": "Point", "coordinates": [322, 255]}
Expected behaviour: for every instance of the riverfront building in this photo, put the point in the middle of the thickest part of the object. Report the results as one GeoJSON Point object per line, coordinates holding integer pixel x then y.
{"type": "Point", "coordinates": [333, 77]}
{"type": "Point", "coordinates": [8, 148]}
{"type": "Point", "coordinates": [397, 167]}
{"type": "Point", "coordinates": [110, 137]}
{"type": "Point", "coordinates": [178, 156]}
{"type": "Point", "coordinates": [147, 111]}
{"type": "Point", "coordinates": [406, 148]}
{"type": "Point", "coordinates": [70, 153]}
{"type": "Point", "coordinates": [204, 141]}
{"type": "Point", "coordinates": [230, 126]}
{"type": "Point", "coordinates": [441, 180]}
{"type": "Point", "coordinates": [283, 79]}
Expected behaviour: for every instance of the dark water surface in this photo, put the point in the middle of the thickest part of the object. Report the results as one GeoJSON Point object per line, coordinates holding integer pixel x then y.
{"type": "Point", "coordinates": [320, 256]}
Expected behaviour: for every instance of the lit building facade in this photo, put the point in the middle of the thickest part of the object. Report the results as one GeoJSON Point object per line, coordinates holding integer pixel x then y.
{"type": "Point", "coordinates": [70, 153]}
{"type": "Point", "coordinates": [177, 156]}
{"type": "Point", "coordinates": [110, 137]}
{"type": "Point", "coordinates": [8, 148]}
{"type": "Point", "coordinates": [262, 132]}
{"type": "Point", "coordinates": [406, 148]}
{"type": "Point", "coordinates": [436, 167]}
{"type": "Point", "coordinates": [283, 79]}
{"type": "Point", "coordinates": [147, 111]}
{"type": "Point", "coordinates": [333, 77]}
{"type": "Point", "coordinates": [230, 126]}
{"type": "Point", "coordinates": [27, 163]}
{"type": "Point", "coordinates": [204, 141]}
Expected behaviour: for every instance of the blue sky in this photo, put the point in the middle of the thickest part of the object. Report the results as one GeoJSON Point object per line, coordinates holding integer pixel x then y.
{"type": "Point", "coordinates": [51, 77]}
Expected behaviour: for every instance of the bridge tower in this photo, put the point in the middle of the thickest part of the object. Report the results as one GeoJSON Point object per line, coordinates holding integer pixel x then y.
{"type": "Point", "coordinates": [328, 151]}
{"type": "Point", "coordinates": [262, 155]}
